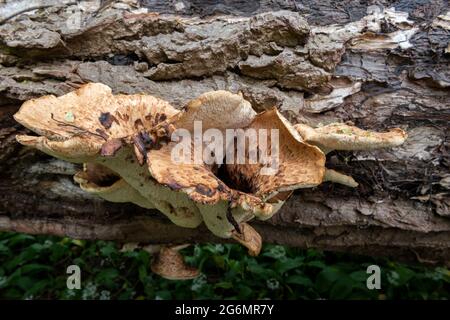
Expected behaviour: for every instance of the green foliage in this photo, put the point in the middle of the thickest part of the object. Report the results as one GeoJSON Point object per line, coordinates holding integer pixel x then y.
{"type": "Point", "coordinates": [34, 267]}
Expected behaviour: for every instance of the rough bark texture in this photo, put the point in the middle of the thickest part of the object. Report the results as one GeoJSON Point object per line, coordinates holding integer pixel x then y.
{"type": "Point", "coordinates": [318, 62]}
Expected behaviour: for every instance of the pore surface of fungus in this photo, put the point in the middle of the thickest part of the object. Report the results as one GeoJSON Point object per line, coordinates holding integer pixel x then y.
{"type": "Point", "coordinates": [126, 143]}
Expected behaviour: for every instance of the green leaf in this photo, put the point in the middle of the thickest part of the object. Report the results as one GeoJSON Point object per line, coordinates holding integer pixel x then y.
{"type": "Point", "coordinates": [224, 285]}
{"type": "Point", "coordinates": [108, 250]}
{"type": "Point", "coordinates": [24, 282]}
{"type": "Point", "coordinates": [107, 277]}
{"type": "Point", "coordinates": [244, 292]}
{"type": "Point", "coordinates": [19, 238]}
{"type": "Point", "coordinates": [37, 247]}
{"type": "Point", "coordinates": [341, 289]}
{"type": "Point", "coordinates": [38, 287]}
{"type": "Point", "coordinates": [326, 278]}
{"type": "Point", "coordinates": [58, 251]}
{"type": "Point", "coordinates": [275, 252]}
{"type": "Point", "coordinates": [163, 295]}
{"type": "Point", "coordinates": [4, 249]}
{"type": "Point", "coordinates": [283, 266]}
{"type": "Point", "coordinates": [359, 276]}
{"type": "Point", "coordinates": [34, 268]}
{"type": "Point", "coordinates": [300, 280]}
{"type": "Point", "coordinates": [143, 275]}
{"type": "Point", "coordinates": [316, 264]}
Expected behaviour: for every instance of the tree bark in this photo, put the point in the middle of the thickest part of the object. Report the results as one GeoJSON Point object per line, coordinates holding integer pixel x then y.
{"type": "Point", "coordinates": [317, 63]}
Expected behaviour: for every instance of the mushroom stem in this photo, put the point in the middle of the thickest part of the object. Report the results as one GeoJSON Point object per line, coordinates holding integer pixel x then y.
{"type": "Point", "coordinates": [337, 177]}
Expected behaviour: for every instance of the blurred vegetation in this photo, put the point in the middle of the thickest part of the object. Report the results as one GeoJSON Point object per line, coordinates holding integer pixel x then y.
{"type": "Point", "coordinates": [34, 267]}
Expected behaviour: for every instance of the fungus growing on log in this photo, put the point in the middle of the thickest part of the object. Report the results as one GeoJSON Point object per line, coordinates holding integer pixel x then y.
{"type": "Point", "coordinates": [127, 145]}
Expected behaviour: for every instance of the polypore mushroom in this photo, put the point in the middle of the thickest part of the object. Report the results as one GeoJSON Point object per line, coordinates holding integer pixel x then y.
{"type": "Point", "coordinates": [130, 147]}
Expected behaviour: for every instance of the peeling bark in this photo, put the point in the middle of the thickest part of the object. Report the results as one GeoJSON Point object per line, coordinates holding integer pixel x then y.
{"type": "Point", "coordinates": [372, 65]}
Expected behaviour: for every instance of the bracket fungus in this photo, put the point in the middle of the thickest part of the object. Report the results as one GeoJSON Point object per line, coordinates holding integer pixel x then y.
{"type": "Point", "coordinates": [127, 145]}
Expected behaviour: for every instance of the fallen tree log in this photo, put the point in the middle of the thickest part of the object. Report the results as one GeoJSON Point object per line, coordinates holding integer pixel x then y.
{"type": "Point", "coordinates": [374, 66]}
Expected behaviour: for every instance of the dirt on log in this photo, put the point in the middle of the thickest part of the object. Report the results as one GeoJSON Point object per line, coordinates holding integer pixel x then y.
{"type": "Point", "coordinates": [376, 64]}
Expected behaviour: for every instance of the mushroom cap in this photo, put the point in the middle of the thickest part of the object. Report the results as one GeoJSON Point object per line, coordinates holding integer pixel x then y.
{"type": "Point", "coordinates": [169, 264]}
{"type": "Point", "coordinates": [340, 136]}
{"type": "Point", "coordinates": [300, 165]}
{"type": "Point", "coordinates": [76, 125]}
{"type": "Point", "coordinates": [76, 149]}
{"type": "Point", "coordinates": [216, 109]}
{"type": "Point", "coordinates": [57, 117]}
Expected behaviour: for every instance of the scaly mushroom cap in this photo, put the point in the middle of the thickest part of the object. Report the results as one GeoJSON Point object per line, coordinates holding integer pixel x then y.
{"type": "Point", "coordinates": [339, 136]}
{"type": "Point", "coordinates": [300, 165]}
{"type": "Point", "coordinates": [169, 264]}
{"type": "Point", "coordinates": [216, 109]}
{"type": "Point", "coordinates": [75, 126]}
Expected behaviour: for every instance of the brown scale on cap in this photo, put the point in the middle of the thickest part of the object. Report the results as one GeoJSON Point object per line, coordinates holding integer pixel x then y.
{"type": "Point", "coordinates": [106, 119]}
{"type": "Point", "coordinates": [140, 151]}
{"type": "Point", "coordinates": [110, 147]}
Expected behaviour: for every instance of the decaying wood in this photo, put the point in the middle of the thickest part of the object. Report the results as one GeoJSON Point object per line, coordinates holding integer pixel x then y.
{"type": "Point", "coordinates": [337, 61]}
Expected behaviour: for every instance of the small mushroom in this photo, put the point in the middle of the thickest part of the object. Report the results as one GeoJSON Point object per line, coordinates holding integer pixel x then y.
{"type": "Point", "coordinates": [170, 264]}
{"type": "Point", "coordinates": [340, 136]}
